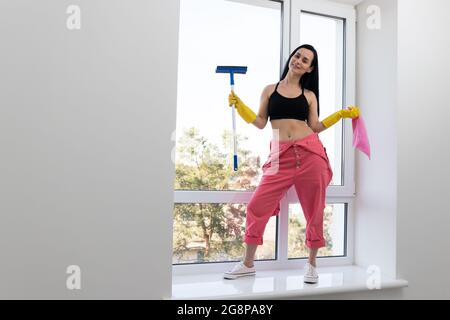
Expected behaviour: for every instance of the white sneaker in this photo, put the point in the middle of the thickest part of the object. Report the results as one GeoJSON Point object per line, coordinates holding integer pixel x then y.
{"type": "Point", "coordinates": [239, 270]}
{"type": "Point", "coordinates": [311, 275]}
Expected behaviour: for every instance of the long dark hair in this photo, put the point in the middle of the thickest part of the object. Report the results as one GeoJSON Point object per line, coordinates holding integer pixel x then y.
{"type": "Point", "coordinates": [310, 80]}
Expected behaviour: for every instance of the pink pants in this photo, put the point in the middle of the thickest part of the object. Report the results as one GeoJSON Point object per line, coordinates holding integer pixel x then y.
{"type": "Point", "coordinates": [303, 163]}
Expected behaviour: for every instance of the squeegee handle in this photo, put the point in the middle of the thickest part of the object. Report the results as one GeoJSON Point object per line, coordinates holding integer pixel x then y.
{"type": "Point", "coordinates": [235, 162]}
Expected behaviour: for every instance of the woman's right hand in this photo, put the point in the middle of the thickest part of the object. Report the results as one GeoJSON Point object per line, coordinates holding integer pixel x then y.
{"type": "Point", "coordinates": [245, 112]}
{"type": "Point", "coordinates": [233, 99]}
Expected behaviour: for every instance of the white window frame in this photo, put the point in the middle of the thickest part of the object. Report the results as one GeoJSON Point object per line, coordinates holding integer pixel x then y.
{"type": "Point", "coordinates": [335, 194]}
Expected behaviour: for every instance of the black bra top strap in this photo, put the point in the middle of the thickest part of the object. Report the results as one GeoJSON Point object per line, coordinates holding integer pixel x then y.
{"type": "Point", "coordinates": [303, 90]}
{"type": "Point", "coordinates": [276, 87]}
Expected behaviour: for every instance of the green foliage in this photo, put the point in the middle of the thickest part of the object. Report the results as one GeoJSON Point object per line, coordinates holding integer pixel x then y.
{"type": "Point", "coordinates": [218, 229]}
{"type": "Point", "coordinates": [297, 236]}
{"type": "Point", "coordinates": [201, 165]}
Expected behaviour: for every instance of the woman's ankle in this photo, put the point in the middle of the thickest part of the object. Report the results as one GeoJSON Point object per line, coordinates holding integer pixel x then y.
{"type": "Point", "coordinates": [248, 264]}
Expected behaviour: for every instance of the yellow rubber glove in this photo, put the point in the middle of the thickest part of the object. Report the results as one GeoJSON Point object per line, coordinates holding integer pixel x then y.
{"type": "Point", "coordinates": [245, 112]}
{"type": "Point", "coordinates": [351, 112]}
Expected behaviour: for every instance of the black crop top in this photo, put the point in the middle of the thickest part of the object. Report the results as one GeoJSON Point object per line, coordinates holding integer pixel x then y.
{"type": "Point", "coordinates": [287, 108]}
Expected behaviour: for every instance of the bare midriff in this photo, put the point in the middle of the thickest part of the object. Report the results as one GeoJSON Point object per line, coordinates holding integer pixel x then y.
{"type": "Point", "coordinates": [290, 129]}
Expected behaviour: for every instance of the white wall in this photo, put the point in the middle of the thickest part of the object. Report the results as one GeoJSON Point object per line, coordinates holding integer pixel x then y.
{"type": "Point", "coordinates": [423, 147]}
{"type": "Point", "coordinates": [85, 148]}
{"type": "Point", "coordinates": [376, 179]}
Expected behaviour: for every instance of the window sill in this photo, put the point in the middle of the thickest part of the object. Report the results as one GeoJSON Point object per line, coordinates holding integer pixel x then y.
{"type": "Point", "coordinates": [277, 284]}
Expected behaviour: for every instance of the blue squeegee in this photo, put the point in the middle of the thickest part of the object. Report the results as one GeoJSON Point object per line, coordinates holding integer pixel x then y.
{"type": "Point", "coordinates": [232, 70]}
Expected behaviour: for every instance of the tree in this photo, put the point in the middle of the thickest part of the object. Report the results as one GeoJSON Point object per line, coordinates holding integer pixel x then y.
{"type": "Point", "coordinates": [201, 165]}
{"type": "Point", "coordinates": [297, 231]}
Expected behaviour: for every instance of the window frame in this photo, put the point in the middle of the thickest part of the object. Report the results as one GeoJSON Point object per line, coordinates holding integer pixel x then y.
{"type": "Point", "coordinates": [290, 37]}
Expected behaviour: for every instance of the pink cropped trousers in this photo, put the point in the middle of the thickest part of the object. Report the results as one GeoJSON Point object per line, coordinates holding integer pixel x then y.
{"type": "Point", "coordinates": [303, 163]}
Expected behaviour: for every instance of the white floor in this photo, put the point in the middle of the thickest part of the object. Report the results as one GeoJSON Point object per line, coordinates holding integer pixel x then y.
{"type": "Point", "coordinates": [273, 284]}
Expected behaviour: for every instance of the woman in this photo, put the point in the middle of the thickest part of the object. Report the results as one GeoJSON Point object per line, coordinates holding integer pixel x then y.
{"type": "Point", "coordinates": [297, 156]}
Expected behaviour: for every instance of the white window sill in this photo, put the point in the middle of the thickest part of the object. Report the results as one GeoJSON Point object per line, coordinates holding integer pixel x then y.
{"type": "Point", "coordinates": [276, 284]}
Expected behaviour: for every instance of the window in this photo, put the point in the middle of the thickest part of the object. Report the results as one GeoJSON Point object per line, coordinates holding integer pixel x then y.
{"type": "Point", "coordinates": [237, 33]}
{"type": "Point", "coordinates": [329, 27]}
{"type": "Point", "coordinates": [222, 32]}
{"type": "Point", "coordinates": [210, 198]}
{"type": "Point", "coordinates": [326, 34]}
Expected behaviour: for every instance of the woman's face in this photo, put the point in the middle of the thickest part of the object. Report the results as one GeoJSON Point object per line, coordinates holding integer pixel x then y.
{"type": "Point", "coordinates": [301, 61]}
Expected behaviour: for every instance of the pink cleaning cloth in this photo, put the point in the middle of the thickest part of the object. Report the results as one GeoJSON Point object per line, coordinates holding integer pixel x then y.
{"type": "Point", "coordinates": [360, 139]}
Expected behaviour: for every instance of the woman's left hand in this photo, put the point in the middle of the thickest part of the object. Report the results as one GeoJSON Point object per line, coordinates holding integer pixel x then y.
{"type": "Point", "coordinates": [351, 112]}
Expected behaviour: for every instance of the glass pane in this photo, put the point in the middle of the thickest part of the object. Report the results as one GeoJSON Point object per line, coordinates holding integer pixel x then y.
{"type": "Point", "coordinates": [214, 232]}
{"type": "Point", "coordinates": [213, 33]}
{"type": "Point", "coordinates": [334, 231]}
{"type": "Point", "coordinates": [326, 34]}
